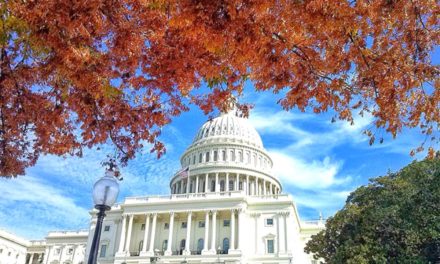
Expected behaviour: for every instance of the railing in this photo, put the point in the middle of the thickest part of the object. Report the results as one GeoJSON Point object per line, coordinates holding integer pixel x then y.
{"type": "Point", "coordinates": [159, 198]}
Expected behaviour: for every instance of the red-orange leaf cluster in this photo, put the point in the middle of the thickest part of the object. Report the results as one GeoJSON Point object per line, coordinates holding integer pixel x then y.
{"type": "Point", "coordinates": [74, 74]}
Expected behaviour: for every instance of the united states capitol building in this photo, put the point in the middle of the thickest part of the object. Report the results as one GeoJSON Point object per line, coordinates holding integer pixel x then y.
{"type": "Point", "coordinates": [225, 206]}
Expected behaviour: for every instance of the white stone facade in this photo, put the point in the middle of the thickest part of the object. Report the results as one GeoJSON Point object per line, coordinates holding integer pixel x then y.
{"type": "Point", "coordinates": [225, 206]}
{"type": "Point", "coordinates": [60, 247]}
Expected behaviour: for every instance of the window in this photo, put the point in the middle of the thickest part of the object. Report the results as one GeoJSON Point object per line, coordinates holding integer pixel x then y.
{"type": "Point", "coordinates": [215, 155]}
{"type": "Point", "coordinates": [1, 250]}
{"type": "Point", "coordinates": [16, 256]}
{"type": "Point", "coordinates": [231, 186]}
{"type": "Point", "coordinates": [232, 155]}
{"type": "Point", "coordinates": [58, 251]}
{"type": "Point", "coordinates": [182, 244]}
{"type": "Point", "coordinates": [106, 228]}
{"type": "Point", "coordinates": [212, 186]}
{"type": "Point", "coordinates": [201, 224]}
{"type": "Point", "coordinates": [143, 227]}
{"type": "Point", "coordinates": [224, 155]}
{"type": "Point", "coordinates": [207, 157]}
{"type": "Point", "coordinates": [200, 245]}
{"type": "Point", "coordinates": [240, 155]}
{"type": "Point", "coordinates": [200, 157]}
{"type": "Point", "coordinates": [194, 159]}
{"type": "Point", "coordinates": [141, 244]}
{"type": "Point", "coordinates": [269, 222]}
{"type": "Point", "coordinates": [103, 251]}
{"type": "Point", "coordinates": [222, 185]}
{"type": "Point", "coordinates": [270, 246]}
{"type": "Point", "coordinates": [164, 245]}
{"type": "Point", "coordinates": [70, 251]}
{"type": "Point", "coordinates": [225, 245]}
{"type": "Point", "coordinates": [184, 224]}
{"type": "Point", "coordinates": [240, 186]}
{"type": "Point", "coordinates": [226, 222]}
{"type": "Point", "coordinates": [166, 226]}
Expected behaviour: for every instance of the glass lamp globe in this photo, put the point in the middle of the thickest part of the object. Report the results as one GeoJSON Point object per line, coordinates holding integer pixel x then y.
{"type": "Point", "coordinates": [106, 190]}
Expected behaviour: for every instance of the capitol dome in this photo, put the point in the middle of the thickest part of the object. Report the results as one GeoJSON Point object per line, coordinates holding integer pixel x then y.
{"type": "Point", "coordinates": [228, 128]}
{"type": "Point", "coordinates": [227, 154]}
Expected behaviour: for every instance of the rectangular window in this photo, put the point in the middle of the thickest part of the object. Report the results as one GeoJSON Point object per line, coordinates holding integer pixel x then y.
{"type": "Point", "coordinates": [224, 155]}
{"type": "Point", "coordinates": [166, 226]}
{"type": "Point", "coordinates": [269, 222]}
{"type": "Point", "coordinates": [58, 251]}
{"type": "Point", "coordinates": [1, 250]}
{"type": "Point", "coordinates": [200, 157]}
{"type": "Point", "coordinates": [143, 227]}
{"type": "Point", "coordinates": [226, 222]}
{"type": "Point", "coordinates": [240, 186]}
{"type": "Point", "coordinates": [201, 224]}
{"type": "Point", "coordinates": [106, 228]}
{"type": "Point", "coordinates": [103, 251]}
{"type": "Point", "coordinates": [215, 155]}
{"type": "Point", "coordinates": [270, 246]}
{"type": "Point", "coordinates": [184, 224]}
{"type": "Point", "coordinates": [70, 251]}
{"type": "Point", "coordinates": [207, 157]}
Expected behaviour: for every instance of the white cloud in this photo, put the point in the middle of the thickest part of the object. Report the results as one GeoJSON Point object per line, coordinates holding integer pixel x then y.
{"type": "Point", "coordinates": [31, 200]}
{"type": "Point", "coordinates": [317, 174]}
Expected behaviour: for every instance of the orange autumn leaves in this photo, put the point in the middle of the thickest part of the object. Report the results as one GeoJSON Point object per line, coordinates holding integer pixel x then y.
{"type": "Point", "coordinates": [74, 74]}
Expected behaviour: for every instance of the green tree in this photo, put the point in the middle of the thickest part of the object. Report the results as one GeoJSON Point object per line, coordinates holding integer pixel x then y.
{"type": "Point", "coordinates": [393, 219]}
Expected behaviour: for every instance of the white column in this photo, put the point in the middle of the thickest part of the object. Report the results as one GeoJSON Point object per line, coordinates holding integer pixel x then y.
{"type": "Point", "coordinates": [122, 239]}
{"type": "Point", "coordinates": [256, 186]}
{"type": "Point", "coordinates": [153, 233]}
{"type": "Point", "coordinates": [197, 184]}
{"type": "Point", "coordinates": [237, 182]}
{"type": "Point", "coordinates": [279, 239]}
{"type": "Point", "coordinates": [130, 227]}
{"type": "Point", "coordinates": [207, 183]}
{"type": "Point", "coordinates": [32, 258]}
{"type": "Point", "coordinates": [205, 241]}
{"type": "Point", "coordinates": [241, 229]}
{"type": "Point", "coordinates": [264, 187]}
{"type": "Point", "coordinates": [282, 234]}
{"type": "Point", "coordinates": [227, 182]}
{"type": "Point", "coordinates": [214, 231]}
{"type": "Point", "coordinates": [216, 183]}
{"type": "Point", "coordinates": [46, 255]}
{"type": "Point", "coordinates": [248, 189]}
{"type": "Point", "coordinates": [286, 246]}
{"type": "Point", "coordinates": [188, 235]}
{"type": "Point", "coordinates": [232, 244]}
{"type": "Point", "coordinates": [147, 227]}
{"type": "Point", "coordinates": [256, 233]}
{"type": "Point", "coordinates": [270, 188]}
{"type": "Point", "coordinates": [188, 181]}
{"type": "Point", "coordinates": [168, 252]}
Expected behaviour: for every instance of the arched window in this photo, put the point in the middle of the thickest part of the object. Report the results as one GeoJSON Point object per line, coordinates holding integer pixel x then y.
{"type": "Point", "coordinates": [141, 243]}
{"type": "Point", "coordinates": [215, 155]}
{"type": "Point", "coordinates": [224, 155]}
{"type": "Point", "coordinates": [164, 245]}
{"type": "Point", "coordinates": [200, 245]}
{"type": "Point", "coordinates": [200, 157]}
{"type": "Point", "coordinates": [225, 245]}
{"type": "Point", "coordinates": [207, 157]}
{"type": "Point", "coordinates": [191, 187]}
{"type": "Point", "coordinates": [194, 159]}
{"type": "Point", "coordinates": [231, 185]}
{"type": "Point", "coordinates": [240, 156]}
{"type": "Point", "coordinates": [182, 244]}
{"type": "Point", "coordinates": [222, 185]}
{"type": "Point", "coordinates": [212, 186]}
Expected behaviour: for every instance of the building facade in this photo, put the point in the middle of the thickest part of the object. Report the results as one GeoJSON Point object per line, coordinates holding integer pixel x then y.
{"type": "Point", "coordinates": [225, 206]}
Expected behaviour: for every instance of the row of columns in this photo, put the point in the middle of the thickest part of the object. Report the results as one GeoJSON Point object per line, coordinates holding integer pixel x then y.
{"type": "Point", "coordinates": [281, 244]}
{"type": "Point", "coordinates": [49, 251]}
{"type": "Point", "coordinates": [251, 184]}
{"type": "Point", "coordinates": [124, 243]}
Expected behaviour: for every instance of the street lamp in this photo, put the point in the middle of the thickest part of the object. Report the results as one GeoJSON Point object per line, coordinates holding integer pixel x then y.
{"type": "Point", "coordinates": [105, 192]}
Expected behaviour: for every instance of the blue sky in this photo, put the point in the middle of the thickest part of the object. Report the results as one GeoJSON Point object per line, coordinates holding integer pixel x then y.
{"type": "Point", "coordinates": [317, 161]}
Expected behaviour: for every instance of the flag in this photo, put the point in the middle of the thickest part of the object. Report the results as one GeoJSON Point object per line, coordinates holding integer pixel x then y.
{"type": "Point", "coordinates": [183, 172]}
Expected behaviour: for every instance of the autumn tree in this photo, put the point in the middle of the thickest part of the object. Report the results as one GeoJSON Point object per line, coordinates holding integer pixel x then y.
{"type": "Point", "coordinates": [394, 219]}
{"type": "Point", "coordinates": [75, 74]}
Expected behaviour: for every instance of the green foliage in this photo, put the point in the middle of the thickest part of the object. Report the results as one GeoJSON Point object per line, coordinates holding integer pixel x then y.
{"type": "Point", "coordinates": [394, 219]}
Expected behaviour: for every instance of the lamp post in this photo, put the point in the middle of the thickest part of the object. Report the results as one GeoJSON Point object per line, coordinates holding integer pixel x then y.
{"type": "Point", "coordinates": [105, 192]}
